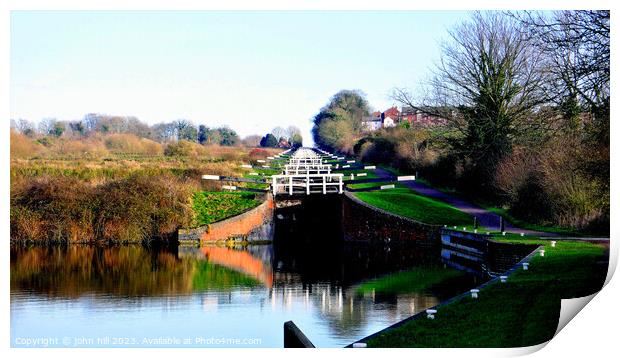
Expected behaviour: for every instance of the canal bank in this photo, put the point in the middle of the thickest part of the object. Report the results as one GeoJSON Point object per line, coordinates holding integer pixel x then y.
{"type": "Point", "coordinates": [252, 226]}
{"type": "Point", "coordinates": [522, 311]}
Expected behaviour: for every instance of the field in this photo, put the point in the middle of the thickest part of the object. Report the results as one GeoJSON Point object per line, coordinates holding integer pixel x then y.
{"type": "Point", "coordinates": [114, 196]}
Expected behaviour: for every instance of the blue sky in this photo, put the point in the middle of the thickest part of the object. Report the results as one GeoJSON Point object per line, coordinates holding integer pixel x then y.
{"type": "Point", "coordinates": [251, 71]}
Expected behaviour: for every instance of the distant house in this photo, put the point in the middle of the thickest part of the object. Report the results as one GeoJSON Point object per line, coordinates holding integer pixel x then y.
{"type": "Point", "coordinates": [372, 123]}
{"type": "Point", "coordinates": [390, 117]}
{"type": "Point", "coordinates": [378, 120]}
{"type": "Point", "coordinates": [419, 117]}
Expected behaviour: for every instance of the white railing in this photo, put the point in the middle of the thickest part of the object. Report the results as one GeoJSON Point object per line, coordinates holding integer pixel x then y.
{"type": "Point", "coordinates": [308, 184]}
{"type": "Point", "coordinates": [292, 169]}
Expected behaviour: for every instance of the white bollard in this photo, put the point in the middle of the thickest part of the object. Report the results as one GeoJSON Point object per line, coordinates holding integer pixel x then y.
{"type": "Point", "coordinates": [526, 266]}
{"type": "Point", "coordinates": [352, 176]}
{"type": "Point", "coordinates": [474, 293]}
{"type": "Point", "coordinates": [475, 231]}
{"type": "Point", "coordinates": [445, 226]}
{"type": "Point", "coordinates": [503, 279]}
{"type": "Point", "coordinates": [522, 234]}
{"type": "Point", "coordinates": [488, 233]}
{"type": "Point", "coordinates": [464, 229]}
{"type": "Point", "coordinates": [503, 233]}
{"type": "Point", "coordinates": [430, 314]}
{"type": "Point", "coordinates": [542, 252]}
{"type": "Point", "coordinates": [553, 243]}
{"type": "Point", "coordinates": [360, 345]}
{"type": "Point", "coordinates": [455, 227]}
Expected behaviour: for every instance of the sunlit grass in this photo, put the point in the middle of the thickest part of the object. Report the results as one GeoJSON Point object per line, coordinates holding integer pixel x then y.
{"type": "Point", "coordinates": [214, 206]}
{"type": "Point", "coordinates": [405, 202]}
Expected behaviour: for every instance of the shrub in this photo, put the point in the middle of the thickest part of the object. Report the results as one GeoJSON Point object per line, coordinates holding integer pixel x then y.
{"type": "Point", "coordinates": [131, 144]}
{"type": "Point", "coordinates": [66, 209]}
{"type": "Point", "coordinates": [23, 147]}
{"type": "Point", "coordinates": [184, 148]}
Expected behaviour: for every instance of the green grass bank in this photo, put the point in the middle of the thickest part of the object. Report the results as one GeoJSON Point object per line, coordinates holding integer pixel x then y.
{"type": "Point", "coordinates": [524, 311]}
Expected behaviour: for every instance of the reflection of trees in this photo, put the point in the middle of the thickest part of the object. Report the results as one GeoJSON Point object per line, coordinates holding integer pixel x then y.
{"type": "Point", "coordinates": [123, 270]}
{"type": "Point", "coordinates": [130, 271]}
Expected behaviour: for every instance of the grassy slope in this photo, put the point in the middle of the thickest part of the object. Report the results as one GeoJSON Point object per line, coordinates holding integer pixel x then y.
{"type": "Point", "coordinates": [504, 213]}
{"type": "Point", "coordinates": [413, 280]}
{"type": "Point", "coordinates": [407, 203]}
{"type": "Point", "coordinates": [214, 206]}
{"type": "Point", "coordinates": [522, 312]}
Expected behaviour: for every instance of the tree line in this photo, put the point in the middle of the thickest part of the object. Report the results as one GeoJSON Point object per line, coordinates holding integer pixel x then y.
{"type": "Point", "coordinates": [178, 130]}
{"type": "Point", "coordinates": [525, 96]}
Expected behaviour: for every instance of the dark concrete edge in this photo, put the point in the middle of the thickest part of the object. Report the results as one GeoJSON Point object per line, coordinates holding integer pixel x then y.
{"type": "Point", "coordinates": [385, 212]}
{"type": "Point", "coordinates": [454, 299]}
{"type": "Point", "coordinates": [294, 337]}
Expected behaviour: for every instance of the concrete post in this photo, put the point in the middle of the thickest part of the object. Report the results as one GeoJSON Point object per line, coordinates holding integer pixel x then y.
{"type": "Point", "coordinates": [290, 185]}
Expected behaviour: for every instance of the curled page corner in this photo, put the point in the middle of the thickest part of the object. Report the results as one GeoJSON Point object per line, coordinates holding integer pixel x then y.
{"type": "Point", "coordinates": [570, 308]}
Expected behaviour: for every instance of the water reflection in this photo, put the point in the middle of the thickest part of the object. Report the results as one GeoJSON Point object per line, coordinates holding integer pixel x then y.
{"type": "Point", "coordinates": [137, 292]}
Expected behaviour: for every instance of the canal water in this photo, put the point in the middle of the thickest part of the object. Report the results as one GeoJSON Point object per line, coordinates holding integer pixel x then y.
{"type": "Point", "coordinates": [218, 296]}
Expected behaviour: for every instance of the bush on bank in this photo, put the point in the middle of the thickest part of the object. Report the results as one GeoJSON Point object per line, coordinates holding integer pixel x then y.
{"type": "Point", "coordinates": [68, 210]}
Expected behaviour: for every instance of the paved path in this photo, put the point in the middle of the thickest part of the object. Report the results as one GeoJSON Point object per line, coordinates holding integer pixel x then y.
{"type": "Point", "coordinates": [485, 218]}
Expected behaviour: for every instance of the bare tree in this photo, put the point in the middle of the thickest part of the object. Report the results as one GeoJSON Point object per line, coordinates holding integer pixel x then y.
{"type": "Point", "coordinates": [252, 140]}
{"type": "Point", "coordinates": [576, 45]}
{"type": "Point", "coordinates": [279, 132]}
{"type": "Point", "coordinates": [25, 127]}
{"type": "Point", "coordinates": [47, 126]}
{"type": "Point", "coordinates": [489, 70]}
{"type": "Point", "coordinates": [488, 84]}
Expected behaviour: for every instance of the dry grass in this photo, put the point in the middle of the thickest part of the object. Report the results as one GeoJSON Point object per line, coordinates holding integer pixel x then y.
{"type": "Point", "coordinates": [23, 147]}
{"type": "Point", "coordinates": [109, 189]}
{"type": "Point", "coordinates": [129, 143]}
{"type": "Point", "coordinates": [70, 210]}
